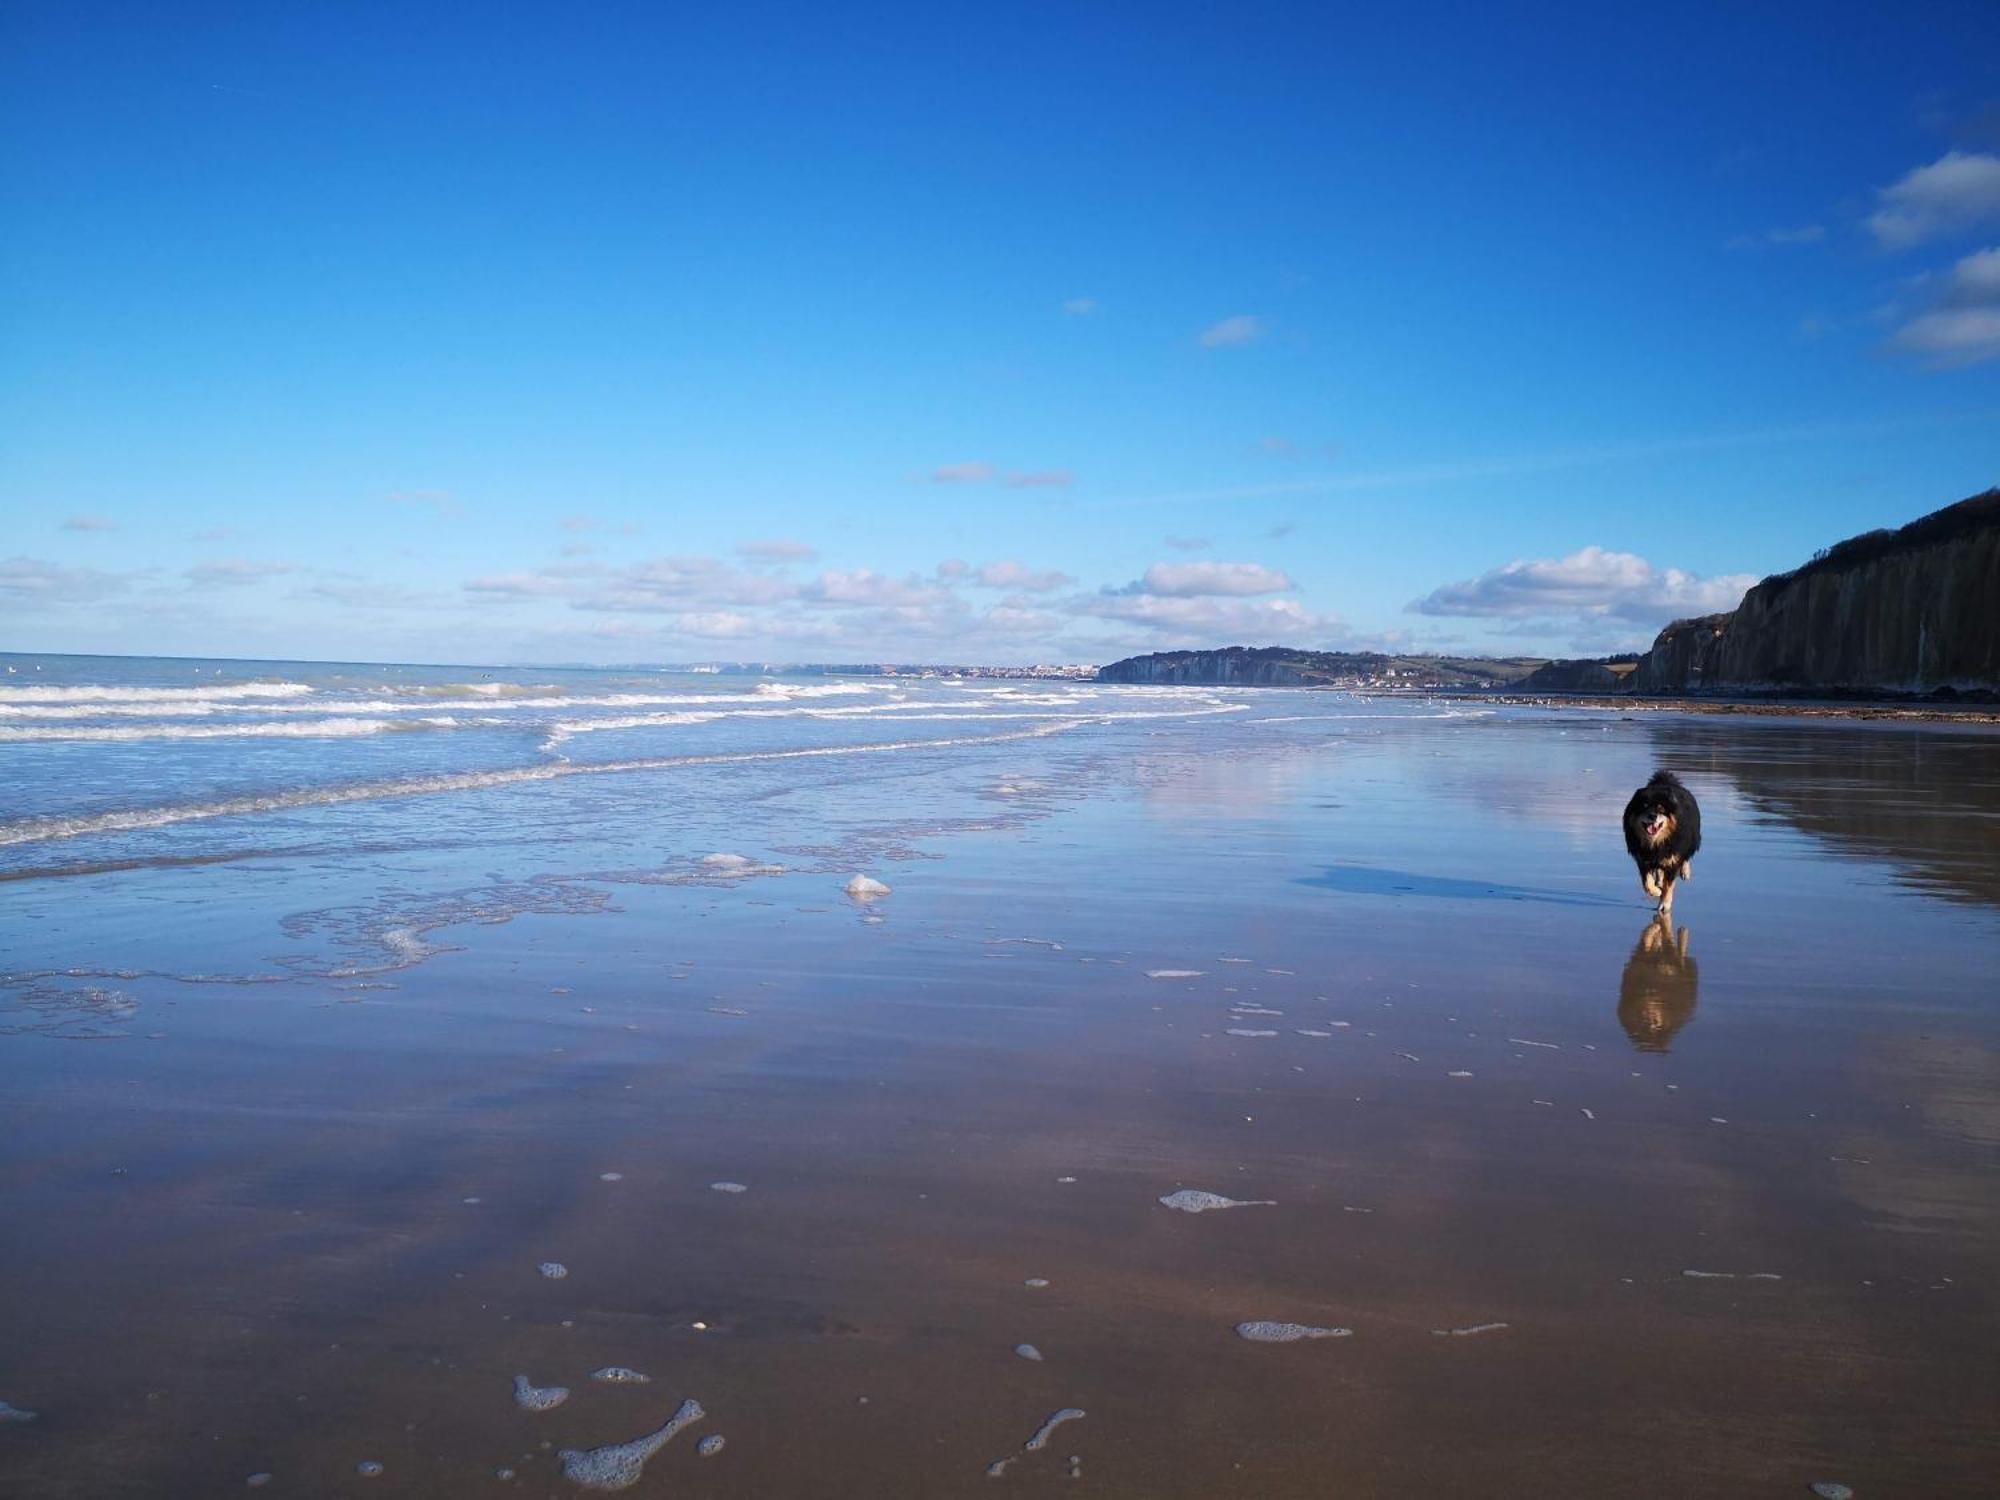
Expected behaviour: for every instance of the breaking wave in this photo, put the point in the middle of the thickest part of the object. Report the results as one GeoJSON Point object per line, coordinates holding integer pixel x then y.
{"type": "Point", "coordinates": [295, 729]}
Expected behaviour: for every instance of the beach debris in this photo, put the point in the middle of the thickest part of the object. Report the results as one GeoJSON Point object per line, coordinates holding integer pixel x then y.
{"type": "Point", "coordinates": [1466, 1333]}
{"type": "Point", "coordinates": [1174, 973]}
{"type": "Point", "coordinates": [620, 1375]}
{"type": "Point", "coordinates": [1037, 1282]}
{"type": "Point", "coordinates": [368, 1469]}
{"type": "Point", "coordinates": [12, 1413]}
{"type": "Point", "coordinates": [1302, 1031]}
{"type": "Point", "coordinates": [617, 1466]}
{"type": "Point", "coordinates": [1065, 1179]}
{"type": "Point", "coordinates": [1247, 1031]}
{"type": "Point", "coordinates": [1287, 1333]}
{"type": "Point", "coordinates": [1287, 972]}
{"type": "Point", "coordinates": [531, 1397]}
{"type": "Point", "coordinates": [711, 1445]}
{"type": "Point", "coordinates": [1253, 1010]}
{"type": "Point", "coordinates": [1521, 1041]}
{"type": "Point", "coordinates": [863, 888]}
{"type": "Point", "coordinates": [727, 1010]}
{"type": "Point", "coordinates": [1458, 1073]}
{"type": "Point", "coordinates": [1028, 1351]}
{"type": "Point", "coordinates": [610, 1176]}
{"type": "Point", "coordinates": [1586, 1114]}
{"type": "Point", "coordinates": [1831, 1489]}
{"type": "Point", "coordinates": [1195, 1201]}
{"type": "Point", "coordinates": [1041, 1438]}
{"type": "Point", "coordinates": [555, 1270]}
{"type": "Point", "coordinates": [1409, 1057]}
{"type": "Point", "coordinates": [727, 1187]}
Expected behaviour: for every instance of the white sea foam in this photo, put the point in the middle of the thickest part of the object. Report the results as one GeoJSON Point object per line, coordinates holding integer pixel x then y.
{"type": "Point", "coordinates": [33, 830]}
{"type": "Point", "coordinates": [299, 729]}
{"type": "Point", "coordinates": [87, 692]}
{"type": "Point", "coordinates": [619, 1465]}
{"type": "Point", "coordinates": [531, 1397]}
{"type": "Point", "coordinates": [1287, 1333]}
{"type": "Point", "coordinates": [1196, 1201]}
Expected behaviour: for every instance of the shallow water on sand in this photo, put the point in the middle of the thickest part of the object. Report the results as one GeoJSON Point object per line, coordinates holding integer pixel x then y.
{"type": "Point", "coordinates": [299, 1100]}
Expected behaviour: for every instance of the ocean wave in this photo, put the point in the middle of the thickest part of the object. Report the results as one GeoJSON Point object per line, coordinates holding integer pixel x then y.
{"type": "Point", "coordinates": [89, 692]}
{"type": "Point", "coordinates": [36, 830]}
{"type": "Point", "coordinates": [301, 729]}
{"type": "Point", "coordinates": [207, 706]}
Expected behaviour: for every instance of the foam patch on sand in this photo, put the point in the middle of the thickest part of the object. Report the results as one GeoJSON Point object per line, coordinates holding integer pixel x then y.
{"type": "Point", "coordinates": [617, 1466]}
{"type": "Point", "coordinates": [531, 1397]}
{"type": "Point", "coordinates": [1196, 1201]}
{"type": "Point", "coordinates": [1287, 1333]}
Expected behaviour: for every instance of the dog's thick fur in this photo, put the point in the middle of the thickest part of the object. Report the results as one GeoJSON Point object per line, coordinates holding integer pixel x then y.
{"type": "Point", "coordinates": [1662, 833]}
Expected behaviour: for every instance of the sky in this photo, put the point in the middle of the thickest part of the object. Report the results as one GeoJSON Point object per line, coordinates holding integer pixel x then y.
{"type": "Point", "coordinates": [660, 333]}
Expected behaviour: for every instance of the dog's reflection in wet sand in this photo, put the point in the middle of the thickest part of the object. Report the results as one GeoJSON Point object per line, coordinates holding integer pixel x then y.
{"type": "Point", "coordinates": [1656, 996]}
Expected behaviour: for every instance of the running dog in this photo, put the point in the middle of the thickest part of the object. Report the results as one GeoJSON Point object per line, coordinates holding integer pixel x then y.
{"type": "Point", "coordinates": [1662, 833]}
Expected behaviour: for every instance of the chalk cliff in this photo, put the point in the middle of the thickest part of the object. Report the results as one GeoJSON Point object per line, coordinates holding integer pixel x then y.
{"type": "Point", "coordinates": [1915, 610]}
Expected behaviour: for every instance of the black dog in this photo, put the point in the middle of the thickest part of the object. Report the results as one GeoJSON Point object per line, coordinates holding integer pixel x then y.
{"type": "Point", "coordinates": [1662, 833]}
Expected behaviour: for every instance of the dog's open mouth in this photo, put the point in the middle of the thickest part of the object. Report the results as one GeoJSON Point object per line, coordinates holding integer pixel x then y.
{"type": "Point", "coordinates": [1657, 826]}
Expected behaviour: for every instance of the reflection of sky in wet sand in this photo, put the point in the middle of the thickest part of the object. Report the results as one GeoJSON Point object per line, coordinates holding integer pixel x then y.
{"type": "Point", "coordinates": [266, 1209]}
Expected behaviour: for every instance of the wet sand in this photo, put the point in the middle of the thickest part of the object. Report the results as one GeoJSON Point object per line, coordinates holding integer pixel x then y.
{"type": "Point", "coordinates": [1606, 1210]}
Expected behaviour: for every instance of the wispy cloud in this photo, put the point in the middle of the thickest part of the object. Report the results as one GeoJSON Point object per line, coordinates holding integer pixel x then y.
{"type": "Point", "coordinates": [1080, 307]}
{"type": "Point", "coordinates": [1040, 479]}
{"type": "Point", "coordinates": [1233, 333]}
{"type": "Point", "coordinates": [1017, 575]}
{"type": "Point", "coordinates": [975, 472]}
{"type": "Point", "coordinates": [1189, 580]}
{"type": "Point", "coordinates": [89, 523]}
{"type": "Point", "coordinates": [775, 550]}
{"type": "Point", "coordinates": [1422, 475]}
{"type": "Point", "coordinates": [1958, 190]}
{"type": "Point", "coordinates": [1189, 543]}
{"type": "Point", "coordinates": [1592, 583]}
{"type": "Point", "coordinates": [235, 572]}
{"type": "Point", "coordinates": [216, 534]}
{"type": "Point", "coordinates": [1963, 326]}
{"type": "Point", "coordinates": [44, 584]}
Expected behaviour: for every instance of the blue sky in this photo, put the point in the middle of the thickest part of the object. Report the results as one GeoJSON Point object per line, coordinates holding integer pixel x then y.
{"type": "Point", "coordinates": [650, 333]}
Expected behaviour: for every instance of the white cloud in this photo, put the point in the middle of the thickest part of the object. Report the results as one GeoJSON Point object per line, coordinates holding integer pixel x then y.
{"type": "Point", "coordinates": [1233, 333]}
{"type": "Point", "coordinates": [1958, 190]}
{"type": "Point", "coordinates": [776, 550]}
{"type": "Point", "coordinates": [89, 523]}
{"type": "Point", "coordinates": [953, 567]}
{"type": "Point", "coordinates": [1211, 621]}
{"type": "Point", "coordinates": [1963, 326]}
{"type": "Point", "coordinates": [517, 585]}
{"type": "Point", "coordinates": [1016, 575]}
{"type": "Point", "coordinates": [235, 572]}
{"type": "Point", "coordinates": [29, 579]}
{"type": "Point", "coordinates": [1080, 307]}
{"type": "Point", "coordinates": [670, 585]}
{"type": "Point", "coordinates": [965, 473]}
{"type": "Point", "coordinates": [864, 587]}
{"type": "Point", "coordinates": [1196, 579]}
{"type": "Point", "coordinates": [1590, 584]}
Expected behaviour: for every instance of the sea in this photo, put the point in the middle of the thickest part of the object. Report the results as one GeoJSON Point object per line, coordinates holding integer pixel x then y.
{"type": "Point", "coordinates": [426, 1080]}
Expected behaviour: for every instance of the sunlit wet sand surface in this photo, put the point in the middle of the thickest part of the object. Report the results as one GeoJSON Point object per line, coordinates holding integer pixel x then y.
{"type": "Point", "coordinates": [1527, 1196]}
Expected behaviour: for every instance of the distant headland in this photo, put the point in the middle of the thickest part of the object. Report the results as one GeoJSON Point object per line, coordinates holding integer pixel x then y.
{"type": "Point", "coordinates": [1911, 613]}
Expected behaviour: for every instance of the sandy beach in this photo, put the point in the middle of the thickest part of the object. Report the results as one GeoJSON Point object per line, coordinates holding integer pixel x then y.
{"type": "Point", "coordinates": [298, 1123]}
